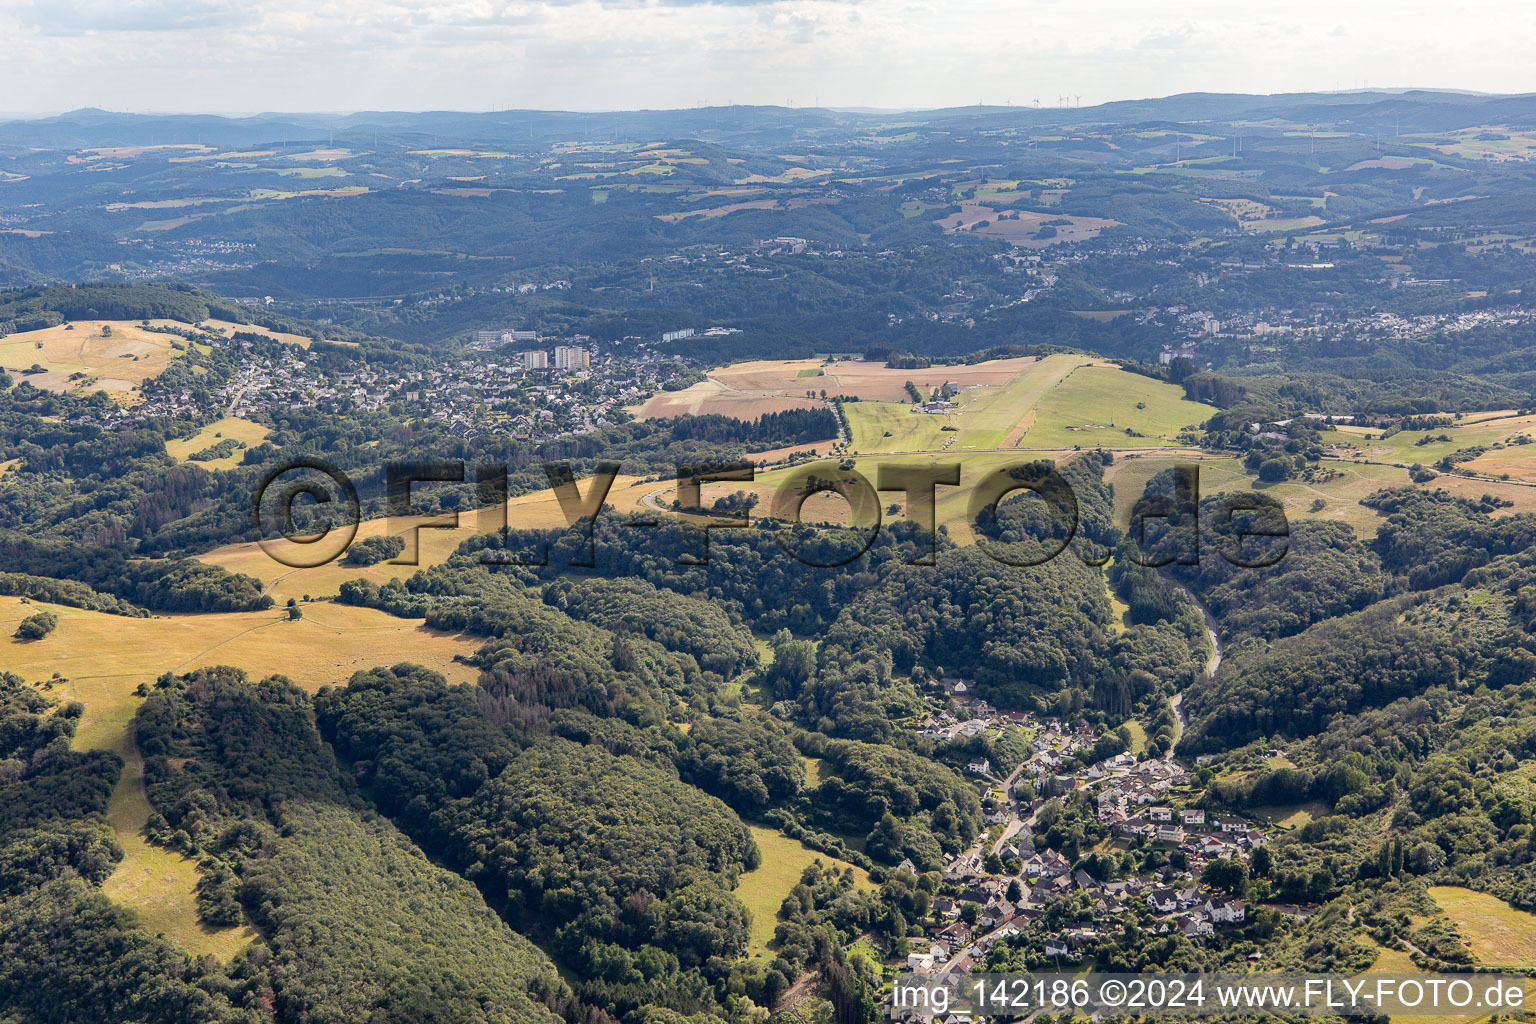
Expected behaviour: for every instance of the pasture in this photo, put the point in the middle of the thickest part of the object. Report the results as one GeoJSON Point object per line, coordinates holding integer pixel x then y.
{"type": "Point", "coordinates": [1501, 936]}
{"type": "Point", "coordinates": [1509, 437]}
{"type": "Point", "coordinates": [763, 889]}
{"type": "Point", "coordinates": [114, 356]}
{"type": "Point", "coordinates": [1399, 963]}
{"type": "Point", "coordinates": [230, 427]}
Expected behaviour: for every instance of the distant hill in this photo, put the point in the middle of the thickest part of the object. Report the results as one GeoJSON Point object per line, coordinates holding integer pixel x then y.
{"type": "Point", "coordinates": [1411, 110]}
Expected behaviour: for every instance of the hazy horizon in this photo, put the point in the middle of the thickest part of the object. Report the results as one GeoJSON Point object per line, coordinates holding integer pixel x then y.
{"type": "Point", "coordinates": [350, 112]}
{"type": "Point", "coordinates": [486, 55]}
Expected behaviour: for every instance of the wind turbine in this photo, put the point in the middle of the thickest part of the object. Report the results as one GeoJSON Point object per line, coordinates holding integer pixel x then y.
{"type": "Point", "coordinates": [1037, 102]}
{"type": "Point", "coordinates": [1079, 100]}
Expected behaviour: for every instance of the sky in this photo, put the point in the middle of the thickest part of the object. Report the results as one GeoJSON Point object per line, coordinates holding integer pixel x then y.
{"type": "Point", "coordinates": [242, 56]}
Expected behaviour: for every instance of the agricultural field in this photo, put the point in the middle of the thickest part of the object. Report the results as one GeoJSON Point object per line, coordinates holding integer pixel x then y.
{"type": "Point", "coordinates": [114, 356]}
{"type": "Point", "coordinates": [225, 327]}
{"type": "Point", "coordinates": [248, 434]}
{"type": "Point", "coordinates": [1284, 224]}
{"type": "Point", "coordinates": [1050, 408]}
{"type": "Point", "coordinates": [712, 396]}
{"type": "Point", "coordinates": [1024, 228]}
{"type": "Point", "coordinates": [763, 889]}
{"type": "Point", "coordinates": [1490, 144]}
{"type": "Point", "coordinates": [747, 390]}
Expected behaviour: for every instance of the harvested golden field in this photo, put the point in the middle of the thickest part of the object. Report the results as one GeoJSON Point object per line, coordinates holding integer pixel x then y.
{"type": "Point", "coordinates": [747, 390]}
{"type": "Point", "coordinates": [230, 427]}
{"type": "Point", "coordinates": [227, 328]}
{"type": "Point", "coordinates": [114, 356]}
{"type": "Point", "coordinates": [711, 397]}
{"type": "Point", "coordinates": [105, 656]}
{"type": "Point", "coordinates": [875, 382]}
{"type": "Point", "coordinates": [719, 211]}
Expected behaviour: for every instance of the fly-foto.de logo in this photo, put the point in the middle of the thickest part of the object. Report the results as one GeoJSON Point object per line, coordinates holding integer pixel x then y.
{"type": "Point", "coordinates": [306, 511]}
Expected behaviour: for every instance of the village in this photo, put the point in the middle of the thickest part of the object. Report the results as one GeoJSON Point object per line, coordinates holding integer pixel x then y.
{"type": "Point", "coordinates": [1000, 889]}
{"type": "Point", "coordinates": [516, 393]}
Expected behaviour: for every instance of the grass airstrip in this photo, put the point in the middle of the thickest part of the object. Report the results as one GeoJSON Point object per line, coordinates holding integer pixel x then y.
{"type": "Point", "coordinates": [1057, 406]}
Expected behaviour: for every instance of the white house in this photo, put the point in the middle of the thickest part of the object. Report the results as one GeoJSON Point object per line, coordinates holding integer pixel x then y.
{"type": "Point", "coordinates": [1226, 911]}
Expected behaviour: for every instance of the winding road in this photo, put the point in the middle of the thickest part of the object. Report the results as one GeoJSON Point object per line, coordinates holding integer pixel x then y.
{"type": "Point", "coordinates": [1211, 665]}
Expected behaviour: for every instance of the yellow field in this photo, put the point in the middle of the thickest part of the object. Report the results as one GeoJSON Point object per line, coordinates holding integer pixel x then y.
{"type": "Point", "coordinates": [764, 889]}
{"type": "Point", "coordinates": [105, 657]}
{"type": "Point", "coordinates": [1501, 936]}
{"type": "Point", "coordinates": [538, 510]}
{"type": "Point", "coordinates": [116, 364]}
{"type": "Point", "coordinates": [228, 427]}
{"type": "Point", "coordinates": [747, 390]}
{"type": "Point", "coordinates": [227, 328]}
